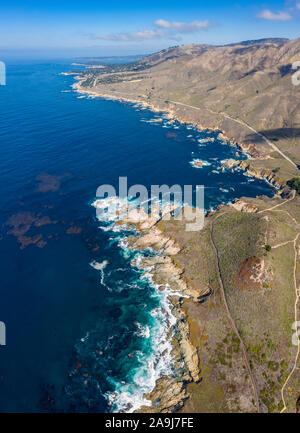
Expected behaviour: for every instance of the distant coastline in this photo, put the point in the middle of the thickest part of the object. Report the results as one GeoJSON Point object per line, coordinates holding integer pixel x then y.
{"type": "Point", "coordinates": [249, 150]}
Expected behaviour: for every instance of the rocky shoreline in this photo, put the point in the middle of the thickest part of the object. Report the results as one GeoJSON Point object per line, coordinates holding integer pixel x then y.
{"type": "Point", "coordinates": [170, 392]}
{"type": "Point", "coordinates": [249, 149]}
{"type": "Point", "coordinates": [262, 173]}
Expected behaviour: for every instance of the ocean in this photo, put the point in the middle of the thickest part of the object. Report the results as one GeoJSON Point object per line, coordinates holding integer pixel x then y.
{"type": "Point", "coordinates": [86, 330]}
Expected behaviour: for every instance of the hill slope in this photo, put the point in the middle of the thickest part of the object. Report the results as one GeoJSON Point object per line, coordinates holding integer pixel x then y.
{"type": "Point", "coordinates": [226, 87]}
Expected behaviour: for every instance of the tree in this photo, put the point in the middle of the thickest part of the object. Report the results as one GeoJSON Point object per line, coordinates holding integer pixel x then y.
{"type": "Point", "coordinates": [294, 184]}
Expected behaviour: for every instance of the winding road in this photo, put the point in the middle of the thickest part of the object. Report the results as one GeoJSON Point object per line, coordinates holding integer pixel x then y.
{"type": "Point", "coordinates": [272, 145]}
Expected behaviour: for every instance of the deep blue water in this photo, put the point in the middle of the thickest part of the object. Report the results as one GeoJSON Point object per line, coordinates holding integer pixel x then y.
{"type": "Point", "coordinates": [75, 334]}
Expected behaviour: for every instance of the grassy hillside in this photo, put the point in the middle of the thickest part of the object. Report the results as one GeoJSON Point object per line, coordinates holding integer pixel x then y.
{"type": "Point", "coordinates": [256, 257]}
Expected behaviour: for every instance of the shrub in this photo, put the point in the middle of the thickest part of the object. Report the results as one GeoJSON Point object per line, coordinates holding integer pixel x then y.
{"type": "Point", "coordinates": [294, 184]}
{"type": "Point", "coordinates": [276, 170]}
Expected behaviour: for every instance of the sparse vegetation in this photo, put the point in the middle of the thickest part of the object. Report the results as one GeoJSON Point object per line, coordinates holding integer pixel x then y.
{"type": "Point", "coordinates": [261, 319]}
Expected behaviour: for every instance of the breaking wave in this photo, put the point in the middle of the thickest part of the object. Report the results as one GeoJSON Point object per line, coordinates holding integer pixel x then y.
{"type": "Point", "coordinates": [153, 357]}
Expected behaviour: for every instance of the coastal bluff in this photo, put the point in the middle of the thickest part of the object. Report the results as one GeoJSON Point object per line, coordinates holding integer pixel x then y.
{"type": "Point", "coordinates": [227, 289]}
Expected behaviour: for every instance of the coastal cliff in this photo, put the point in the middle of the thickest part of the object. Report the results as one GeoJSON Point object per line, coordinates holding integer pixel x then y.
{"type": "Point", "coordinates": [213, 376]}
{"type": "Point", "coordinates": [210, 352]}
{"type": "Point", "coordinates": [235, 281]}
{"type": "Point", "coordinates": [170, 392]}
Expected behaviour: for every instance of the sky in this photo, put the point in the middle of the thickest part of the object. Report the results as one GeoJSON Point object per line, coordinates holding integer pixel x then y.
{"type": "Point", "coordinates": [65, 28]}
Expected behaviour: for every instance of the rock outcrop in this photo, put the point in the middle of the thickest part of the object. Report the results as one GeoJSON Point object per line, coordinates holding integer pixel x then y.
{"type": "Point", "coordinates": [258, 173]}
{"type": "Point", "coordinates": [243, 206]}
{"type": "Point", "coordinates": [169, 393]}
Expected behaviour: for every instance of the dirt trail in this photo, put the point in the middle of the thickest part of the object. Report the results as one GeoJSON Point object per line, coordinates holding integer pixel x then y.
{"type": "Point", "coordinates": [286, 212]}
{"type": "Point", "coordinates": [279, 204]}
{"type": "Point", "coordinates": [245, 354]}
{"type": "Point", "coordinates": [281, 244]}
{"type": "Point", "coordinates": [297, 293]}
{"type": "Point", "coordinates": [243, 347]}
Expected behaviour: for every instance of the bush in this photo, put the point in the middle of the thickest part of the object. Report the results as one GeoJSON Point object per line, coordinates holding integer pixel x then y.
{"type": "Point", "coordinates": [268, 247]}
{"type": "Point", "coordinates": [294, 184]}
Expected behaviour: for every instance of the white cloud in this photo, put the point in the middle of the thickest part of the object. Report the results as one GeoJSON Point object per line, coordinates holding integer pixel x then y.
{"type": "Point", "coordinates": [298, 5]}
{"type": "Point", "coordinates": [274, 16]}
{"type": "Point", "coordinates": [181, 27]}
{"type": "Point", "coordinates": [163, 23]}
{"type": "Point", "coordinates": [142, 35]}
{"type": "Point", "coordinates": [164, 28]}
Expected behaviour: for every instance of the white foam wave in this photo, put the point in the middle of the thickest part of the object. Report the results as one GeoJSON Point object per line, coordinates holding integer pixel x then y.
{"type": "Point", "coordinates": [223, 189]}
{"type": "Point", "coordinates": [100, 267]}
{"type": "Point", "coordinates": [111, 208]}
{"type": "Point", "coordinates": [196, 163]}
{"type": "Point", "coordinates": [129, 397]}
{"type": "Point", "coordinates": [143, 331]}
